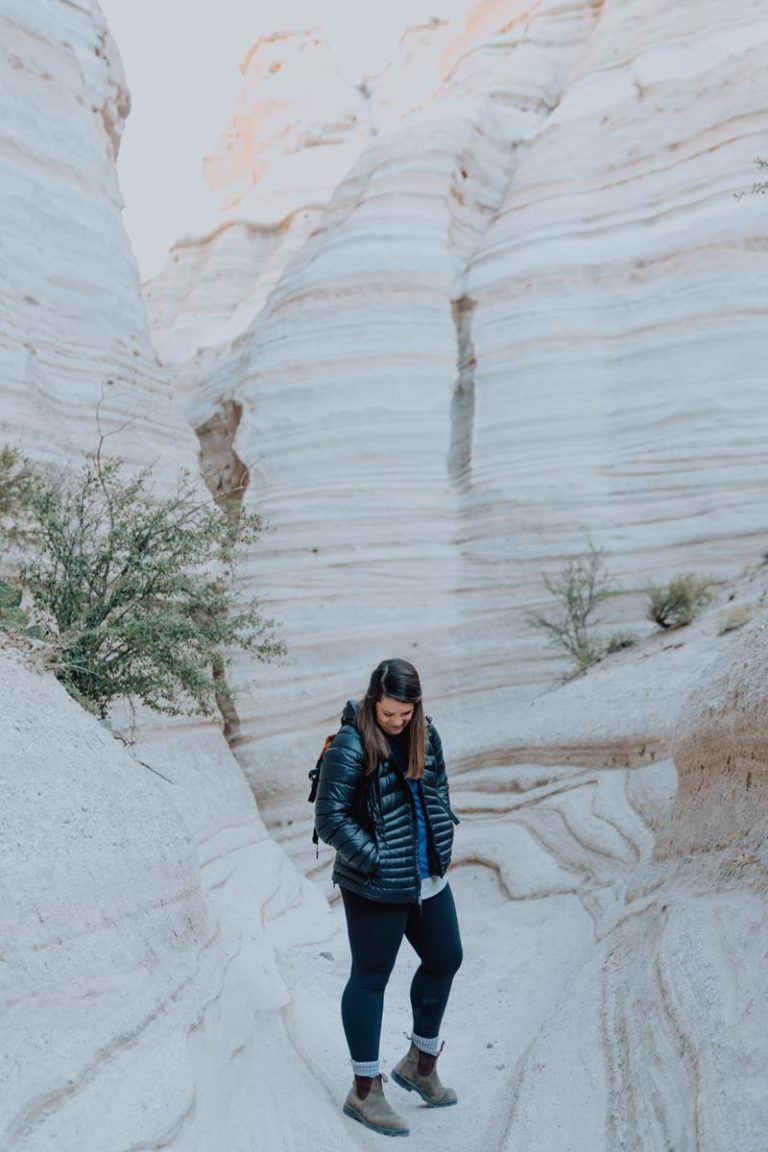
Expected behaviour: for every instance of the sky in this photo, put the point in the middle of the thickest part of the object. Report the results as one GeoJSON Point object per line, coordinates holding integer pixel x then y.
{"type": "Point", "coordinates": [182, 64]}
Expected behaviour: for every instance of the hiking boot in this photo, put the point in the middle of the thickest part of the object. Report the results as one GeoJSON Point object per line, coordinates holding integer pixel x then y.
{"type": "Point", "coordinates": [416, 1072]}
{"type": "Point", "coordinates": [367, 1103]}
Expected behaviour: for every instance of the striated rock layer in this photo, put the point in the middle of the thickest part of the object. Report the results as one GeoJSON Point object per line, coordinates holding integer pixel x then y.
{"type": "Point", "coordinates": [531, 310]}
{"type": "Point", "coordinates": [144, 908]}
{"type": "Point", "coordinates": [346, 378]}
{"type": "Point", "coordinates": [618, 313]}
{"type": "Point", "coordinates": [75, 349]}
{"type": "Point", "coordinates": [529, 306]}
{"type": "Point", "coordinates": [672, 1048]}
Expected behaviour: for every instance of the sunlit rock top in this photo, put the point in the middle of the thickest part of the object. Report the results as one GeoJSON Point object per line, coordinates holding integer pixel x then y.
{"type": "Point", "coordinates": [298, 126]}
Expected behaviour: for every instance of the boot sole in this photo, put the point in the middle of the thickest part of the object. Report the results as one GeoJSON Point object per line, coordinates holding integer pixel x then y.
{"type": "Point", "coordinates": [348, 1110]}
{"type": "Point", "coordinates": [398, 1079]}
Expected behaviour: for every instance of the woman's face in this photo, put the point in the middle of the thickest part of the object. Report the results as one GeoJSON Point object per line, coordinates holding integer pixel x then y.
{"type": "Point", "coordinates": [393, 716]}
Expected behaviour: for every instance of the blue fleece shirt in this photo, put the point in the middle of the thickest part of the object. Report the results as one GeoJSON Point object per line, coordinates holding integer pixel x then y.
{"type": "Point", "coordinates": [400, 747]}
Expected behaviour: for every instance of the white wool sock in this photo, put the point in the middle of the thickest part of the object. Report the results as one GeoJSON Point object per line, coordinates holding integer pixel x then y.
{"type": "Point", "coordinates": [428, 1044]}
{"type": "Point", "coordinates": [365, 1067]}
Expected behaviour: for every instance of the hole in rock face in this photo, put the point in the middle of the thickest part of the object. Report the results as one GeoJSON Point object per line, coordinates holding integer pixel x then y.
{"type": "Point", "coordinates": [224, 473]}
{"type": "Point", "coordinates": [463, 402]}
{"type": "Point", "coordinates": [227, 478]}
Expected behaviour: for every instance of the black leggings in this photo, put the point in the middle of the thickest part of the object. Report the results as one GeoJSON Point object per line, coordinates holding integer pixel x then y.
{"type": "Point", "coordinates": [375, 932]}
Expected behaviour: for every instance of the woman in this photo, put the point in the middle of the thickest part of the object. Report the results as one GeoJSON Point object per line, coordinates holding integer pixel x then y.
{"type": "Point", "coordinates": [382, 803]}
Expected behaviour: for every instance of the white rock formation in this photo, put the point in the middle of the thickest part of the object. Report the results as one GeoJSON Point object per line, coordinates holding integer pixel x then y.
{"type": "Point", "coordinates": [671, 1050]}
{"type": "Point", "coordinates": [140, 918]}
{"type": "Point", "coordinates": [530, 307]}
{"type": "Point", "coordinates": [617, 299]}
{"type": "Point", "coordinates": [297, 128]}
{"type": "Point", "coordinates": [73, 330]}
{"type": "Point", "coordinates": [531, 310]}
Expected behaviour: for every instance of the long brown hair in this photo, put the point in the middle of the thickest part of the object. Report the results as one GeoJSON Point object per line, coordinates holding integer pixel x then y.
{"type": "Point", "coordinates": [400, 681]}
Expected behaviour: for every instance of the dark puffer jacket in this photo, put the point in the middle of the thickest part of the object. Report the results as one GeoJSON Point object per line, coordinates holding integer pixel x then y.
{"type": "Point", "coordinates": [371, 820]}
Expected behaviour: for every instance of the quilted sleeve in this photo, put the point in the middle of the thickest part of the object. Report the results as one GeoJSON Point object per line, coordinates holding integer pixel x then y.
{"type": "Point", "coordinates": [338, 794]}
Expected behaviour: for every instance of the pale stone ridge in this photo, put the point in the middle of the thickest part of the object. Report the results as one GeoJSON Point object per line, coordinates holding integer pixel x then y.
{"type": "Point", "coordinates": [107, 941]}
{"type": "Point", "coordinates": [679, 983]}
{"type": "Point", "coordinates": [530, 311]}
{"type": "Point", "coordinates": [359, 331]}
{"type": "Point", "coordinates": [144, 907]}
{"type": "Point", "coordinates": [297, 124]}
{"type": "Point", "coordinates": [617, 307]}
{"type": "Point", "coordinates": [73, 329]}
{"type": "Point", "coordinates": [503, 332]}
{"type": "Point", "coordinates": [434, 376]}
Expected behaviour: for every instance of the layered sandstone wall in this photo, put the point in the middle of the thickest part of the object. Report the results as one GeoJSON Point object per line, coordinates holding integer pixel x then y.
{"type": "Point", "coordinates": [75, 348]}
{"type": "Point", "coordinates": [530, 311]}
{"type": "Point", "coordinates": [144, 906]}
{"type": "Point", "coordinates": [524, 304]}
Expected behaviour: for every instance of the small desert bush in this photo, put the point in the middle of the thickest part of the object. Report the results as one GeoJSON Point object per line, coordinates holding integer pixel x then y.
{"type": "Point", "coordinates": [132, 594]}
{"type": "Point", "coordinates": [679, 602]}
{"type": "Point", "coordinates": [16, 479]}
{"type": "Point", "coordinates": [759, 187]}
{"type": "Point", "coordinates": [620, 640]}
{"type": "Point", "coordinates": [13, 618]}
{"type": "Point", "coordinates": [578, 589]}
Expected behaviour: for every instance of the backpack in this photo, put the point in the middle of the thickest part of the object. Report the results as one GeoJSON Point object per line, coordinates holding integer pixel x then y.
{"type": "Point", "coordinates": [314, 777]}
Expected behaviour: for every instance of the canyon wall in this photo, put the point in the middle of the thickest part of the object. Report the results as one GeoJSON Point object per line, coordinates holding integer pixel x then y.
{"type": "Point", "coordinates": [521, 305]}
{"type": "Point", "coordinates": [530, 312]}
{"type": "Point", "coordinates": [144, 909]}
{"type": "Point", "coordinates": [75, 347]}
{"type": "Point", "coordinates": [144, 906]}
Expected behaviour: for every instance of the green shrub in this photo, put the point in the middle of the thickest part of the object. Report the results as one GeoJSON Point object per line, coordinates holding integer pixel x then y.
{"type": "Point", "coordinates": [131, 592]}
{"type": "Point", "coordinates": [759, 187]}
{"type": "Point", "coordinates": [579, 588]}
{"type": "Point", "coordinates": [678, 603]}
{"type": "Point", "coordinates": [16, 478]}
{"type": "Point", "coordinates": [620, 640]}
{"type": "Point", "coordinates": [12, 616]}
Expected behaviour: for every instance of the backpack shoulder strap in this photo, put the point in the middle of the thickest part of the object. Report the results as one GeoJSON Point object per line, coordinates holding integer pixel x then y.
{"type": "Point", "coordinates": [314, 773]}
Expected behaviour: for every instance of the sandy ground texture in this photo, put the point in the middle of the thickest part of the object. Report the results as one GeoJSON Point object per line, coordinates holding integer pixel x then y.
{"type": "Point", "coordinates": [518, 959]}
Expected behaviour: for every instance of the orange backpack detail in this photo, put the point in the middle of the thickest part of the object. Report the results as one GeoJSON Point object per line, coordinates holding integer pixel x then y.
{"type": "Point", "coordinates": [314, 777]}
